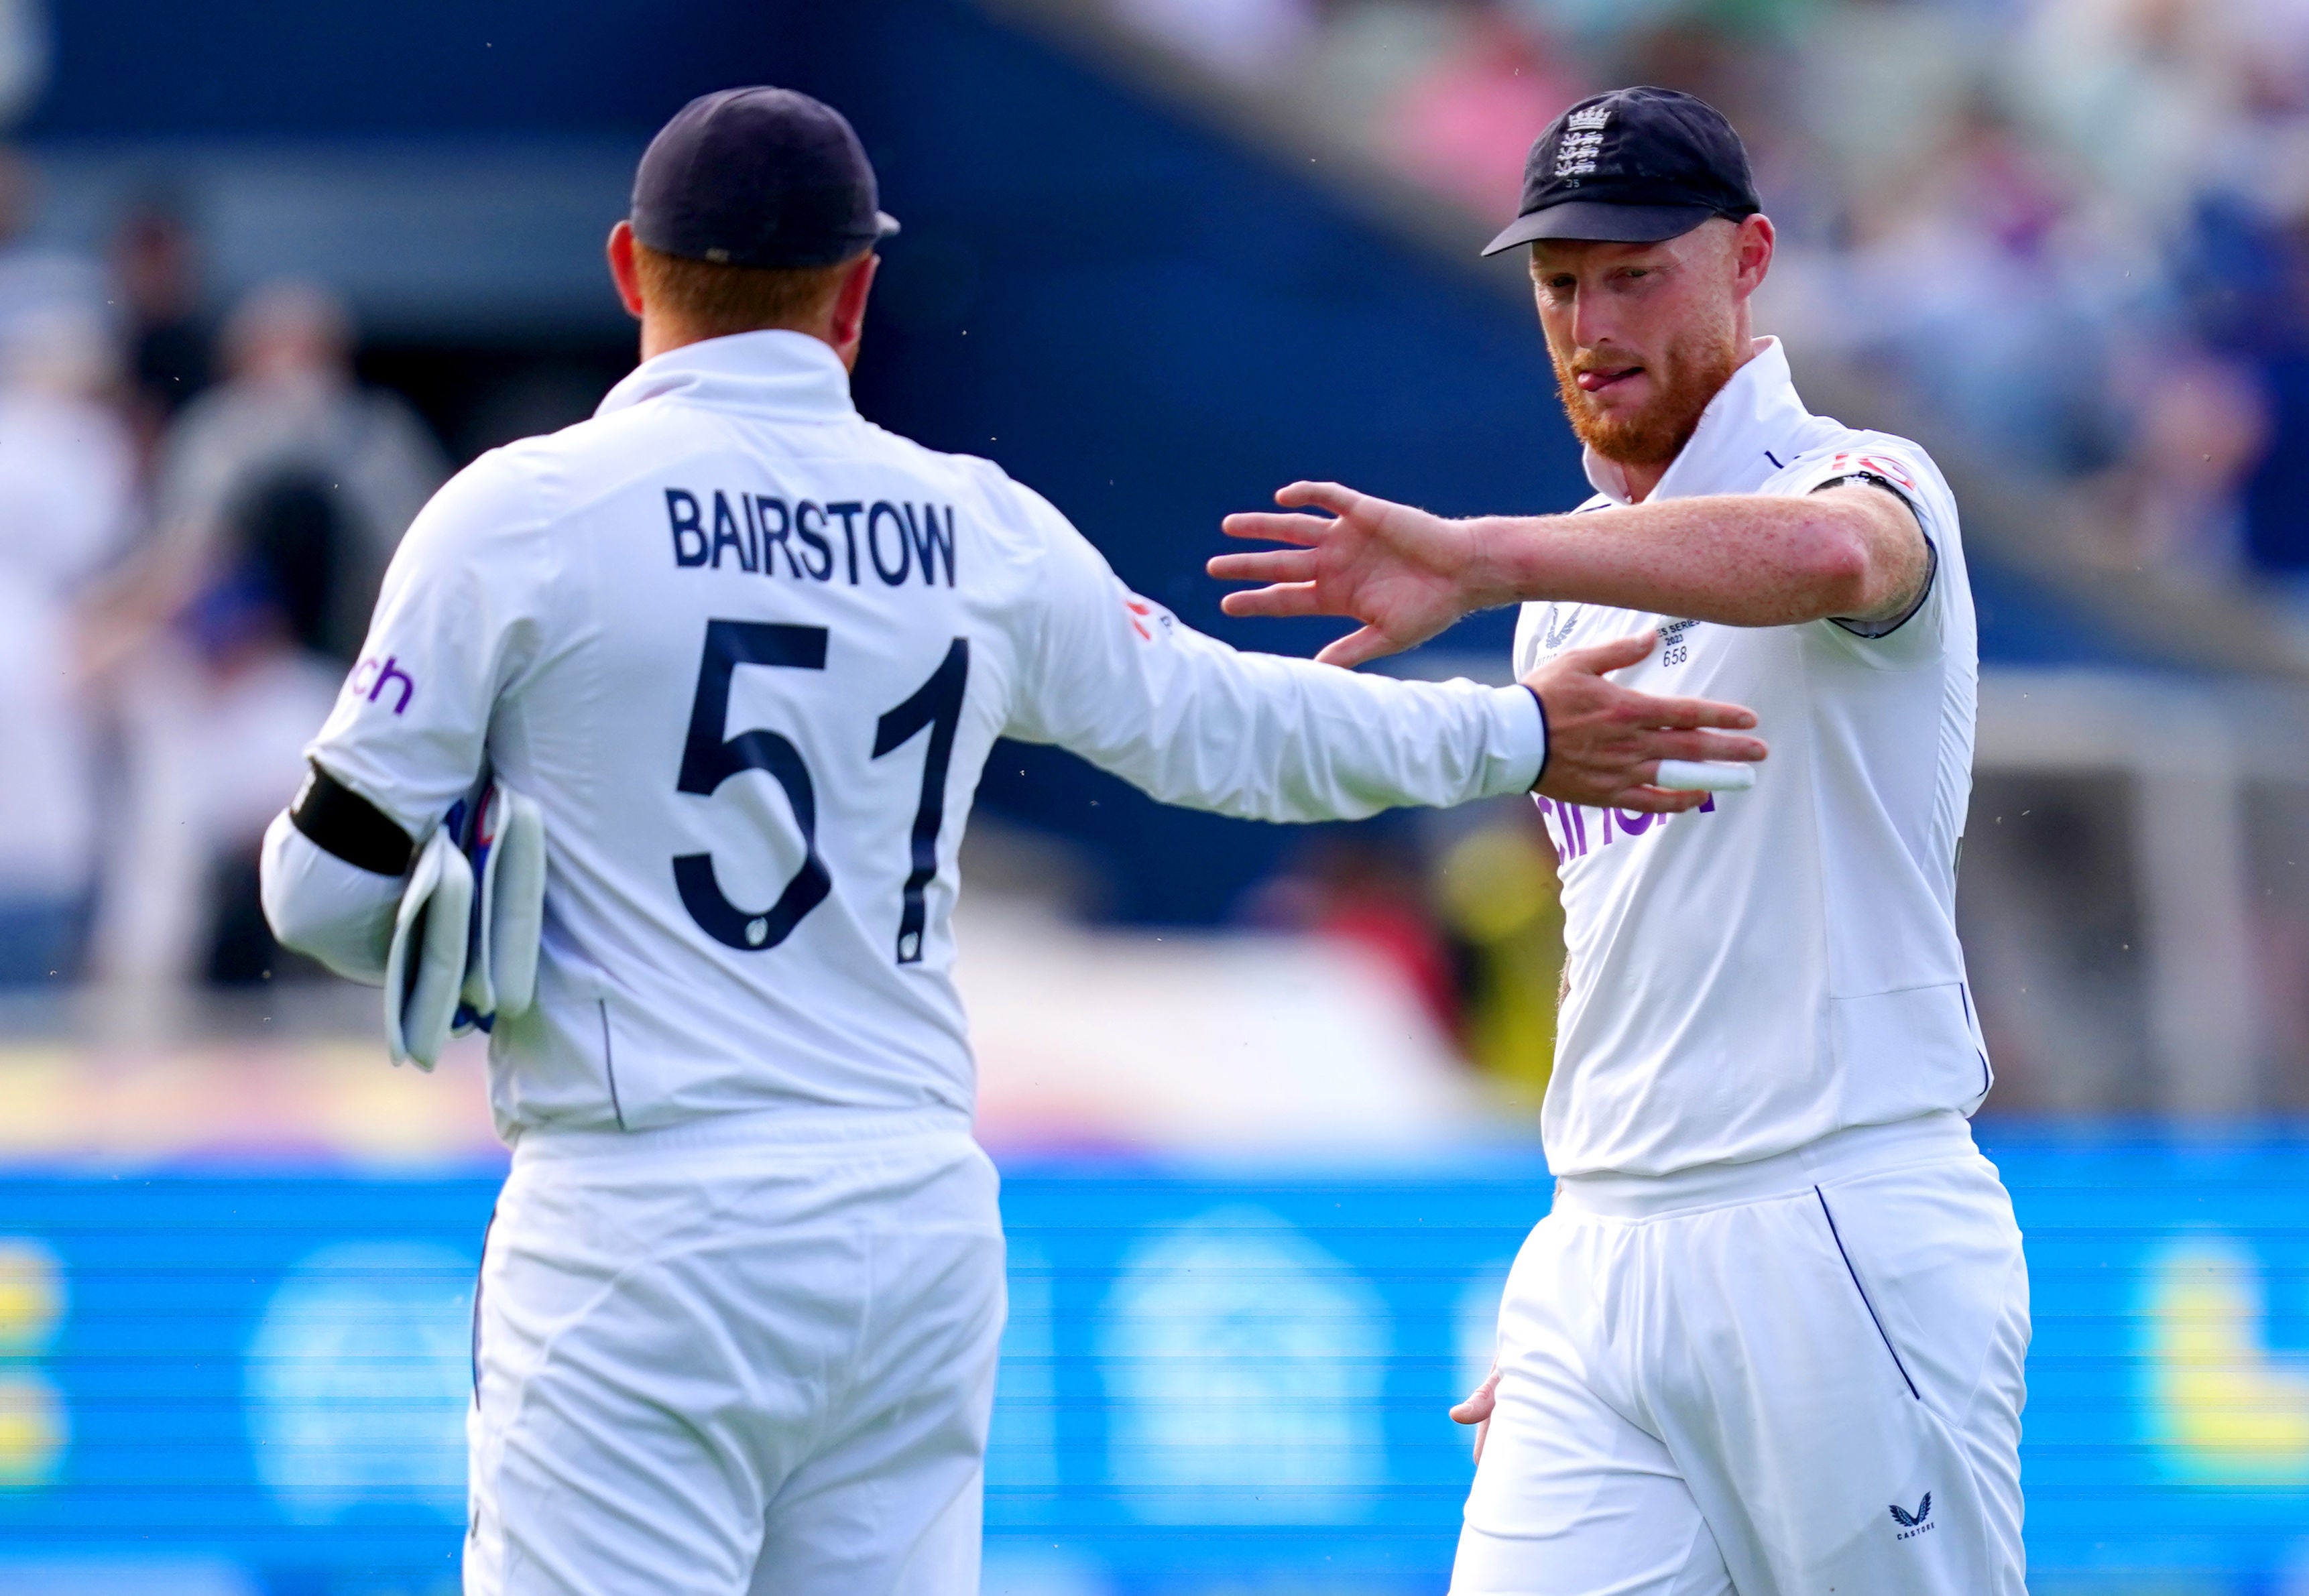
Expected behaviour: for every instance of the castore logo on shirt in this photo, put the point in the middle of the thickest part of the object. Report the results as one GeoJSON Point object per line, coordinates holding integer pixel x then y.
{"type": "Point", "coordinates": [372, 677]}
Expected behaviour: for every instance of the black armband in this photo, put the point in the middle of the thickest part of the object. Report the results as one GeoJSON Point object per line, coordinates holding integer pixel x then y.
{"type": "Point", "coordinates": [1874, 479]}
{"type": "Point", "coordinates": [339, 821]}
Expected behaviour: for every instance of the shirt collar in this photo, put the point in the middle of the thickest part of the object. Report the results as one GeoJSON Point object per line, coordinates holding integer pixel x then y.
{"type": "Point", "coordinates": [770, 373]}
{"type": "Point", "coordinates": [1754, 427]}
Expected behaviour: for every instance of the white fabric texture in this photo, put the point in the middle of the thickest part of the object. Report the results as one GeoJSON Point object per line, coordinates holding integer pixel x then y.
{"type": "Point", "coordinates": [319, 904]}
{"type": "Point", "coordinates": [1743, 1381]}
{"type": "Point", "coordinates": [879, 613]}
{"type": "Point", "coordinates": [1779, 963]}
{"type": "Point", "coordinates": [722, 1358]}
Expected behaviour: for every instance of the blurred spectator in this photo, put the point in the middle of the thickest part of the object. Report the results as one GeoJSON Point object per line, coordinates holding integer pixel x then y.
{"type": "Point", "coordinates": [214, 715]}
{"type": "Point", "coordinates": [66, 478]}
{"type": "Point", "coordinates": [1497, 889]}
{"type": "Point", "coordinates": [1363, 887]}
{"type": "Point", "coordinates": [2201, 424]}
{"type": "Point", "coordinates": [291, 417]}
{"type": "Point", "coordinates": [156, 276]}
{"type": "Point", "coordinates": [1462, 122]}
{"type": "Point", "coordinates": [1995, 295]}
{"type": "Point", "coordinates": [2067, 238]}
{"type": "Point", "coordinates": [37, 281]}
{"type": "Point", "coordinates": [1369, 49]}
{"type": "Point", "coordinates": [2141, 90]}
{"type": "Point", "coordinates": [281, 496]}
{"type": "Point", "coordinates": [1884, 81]}
{"type": "Point", "coordinates": [1244, 39]}
{"type": "Point", "coordinates": [294, 412]}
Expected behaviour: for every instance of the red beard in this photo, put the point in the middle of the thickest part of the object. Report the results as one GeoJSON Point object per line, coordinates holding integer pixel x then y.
{"type": "Point", "coordinates": [1692, 372]}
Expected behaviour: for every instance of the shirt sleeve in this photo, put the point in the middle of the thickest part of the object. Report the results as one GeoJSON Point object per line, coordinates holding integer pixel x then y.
{"type": "Point", "coordinates": [1897, 467]}
{"type": "Point", "coordinates": [1186, 719]}
{"type": "Point", "coordinates": [321, 906]}
{"type": "Point", "coordinates": [458, 623]}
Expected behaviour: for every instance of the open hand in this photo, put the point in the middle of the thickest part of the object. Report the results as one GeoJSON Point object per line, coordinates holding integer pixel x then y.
{"type": "Point", "coordinates": [1405, 573]}
{"type": "Point", "coordinates": [1604, 742]}
{"type": "Point", "coordinates": [1477, 1409]}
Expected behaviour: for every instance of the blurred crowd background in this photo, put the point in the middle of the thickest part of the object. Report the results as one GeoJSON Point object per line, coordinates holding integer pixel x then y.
{"type": "Point", "coordinates": [2069, 232]}
{"type": "Point", "coordinates": [2065, 242]}
{"type": "Point", "coordinates": [269, 274]}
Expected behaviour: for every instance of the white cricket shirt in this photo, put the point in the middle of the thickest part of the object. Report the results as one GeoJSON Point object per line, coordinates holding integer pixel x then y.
{"type": "Point", "coordinates": [1781, 962]}
{"type": "Point", "coordinates": [748, 653]}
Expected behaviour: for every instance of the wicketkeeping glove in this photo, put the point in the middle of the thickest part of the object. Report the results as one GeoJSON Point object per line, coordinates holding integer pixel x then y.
{"type": "Point", "coordinates": [507, 849]}
{"type": "Point", "coordinates": [425, 964]}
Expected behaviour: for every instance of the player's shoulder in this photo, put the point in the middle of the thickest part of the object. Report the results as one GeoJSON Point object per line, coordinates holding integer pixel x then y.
{"type": "Point", "coordinates": [1006, 509]}
{"type": "Point", "coordinates": [1837, 450]}
{"type": "Point", "coordinates": [486, 524]}
{"type": "Point", "coordinates": [971, 472]}
{"type": "Point", "coordinates": [496, 493]}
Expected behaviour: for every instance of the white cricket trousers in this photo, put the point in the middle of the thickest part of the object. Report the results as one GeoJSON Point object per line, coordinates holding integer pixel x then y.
{"type": "Point", "coordinates": [751, 1356]}
{"type": "Point", "coordinates": [1793, 1377]}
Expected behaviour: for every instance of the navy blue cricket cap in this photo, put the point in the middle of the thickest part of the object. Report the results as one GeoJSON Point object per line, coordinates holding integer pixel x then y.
{"type": "Point", "coordinates": [757, 176]}
{"type": "Point", "coordinates": [1631, 166]}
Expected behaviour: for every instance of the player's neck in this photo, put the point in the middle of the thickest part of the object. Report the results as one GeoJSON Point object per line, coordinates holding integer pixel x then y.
{"type": "Point", "coordinates": [663, 334]}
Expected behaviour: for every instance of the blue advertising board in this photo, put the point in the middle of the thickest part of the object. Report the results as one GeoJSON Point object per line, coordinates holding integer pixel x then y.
{"type": "Point", "coordinates": [249, 1384]}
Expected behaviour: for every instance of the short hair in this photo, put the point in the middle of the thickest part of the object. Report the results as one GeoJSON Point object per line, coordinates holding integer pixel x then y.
{"type": "Point", "coordinates": [717, 300]}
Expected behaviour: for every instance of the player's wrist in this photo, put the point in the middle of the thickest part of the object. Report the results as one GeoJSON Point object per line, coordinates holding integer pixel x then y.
{"type": "Point", "coordinates": [1485, 578]}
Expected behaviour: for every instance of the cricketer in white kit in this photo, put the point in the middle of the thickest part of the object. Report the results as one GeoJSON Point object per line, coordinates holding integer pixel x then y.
{"type": "Point", "coordinates": [748, 654]}
{"type": "Point", "coordinates": [1770, 1338]}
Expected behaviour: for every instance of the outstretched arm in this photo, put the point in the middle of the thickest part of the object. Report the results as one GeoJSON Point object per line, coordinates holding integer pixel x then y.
{"type": "Point", "coordinates": [1190, 721]}
{"type": "Point", "coordinates": [1854, 552]}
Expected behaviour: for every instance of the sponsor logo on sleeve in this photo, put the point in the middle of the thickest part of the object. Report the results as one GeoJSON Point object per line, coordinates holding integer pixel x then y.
{"type": "Point", "coordinates": [377, 680]}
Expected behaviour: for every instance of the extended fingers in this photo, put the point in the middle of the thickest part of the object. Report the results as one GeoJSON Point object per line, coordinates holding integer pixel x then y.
{"type": "Point", "coordinates": [1269, 565]}
{"type": "Point", "coordinates": [1283, 599]}
{"type": "Point", "coordinates": [1479, 1402]}
{"type": "Point", "coordinates": [1614, 655]}
{"type": "Point", "coordinates": [1275, 526]}
{"type": "Point", "coordinates": [1691, 713]}
{"type": "Point", "coordinates": [1704, 745]}
{"type": "Point", "coordinates": [1334, 496]}
{"type": "Point", "coordinates": [1355, 647]}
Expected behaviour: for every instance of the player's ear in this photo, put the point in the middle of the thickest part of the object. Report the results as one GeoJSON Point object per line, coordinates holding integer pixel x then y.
{"type": "Point", "coordinates": [622, 270]}
{"type": "Point", "coordinates": [850, 306]}
{"type": "Point", "coordinates": [1752, 248]}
